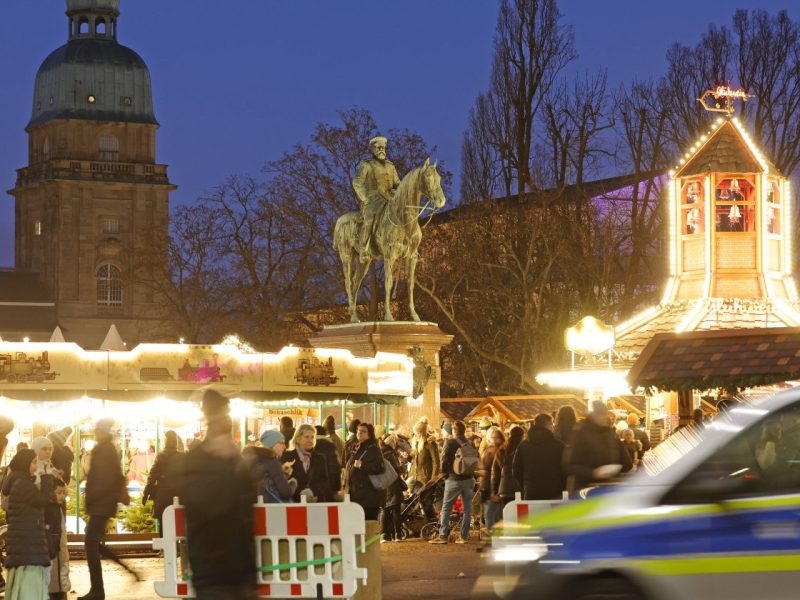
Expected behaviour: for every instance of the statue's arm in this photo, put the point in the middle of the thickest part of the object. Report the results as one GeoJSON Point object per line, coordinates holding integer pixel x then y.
{"type": "Point", "coordinates": [360, 182]}
{"type": "Point", "coordinates": [395, 178]}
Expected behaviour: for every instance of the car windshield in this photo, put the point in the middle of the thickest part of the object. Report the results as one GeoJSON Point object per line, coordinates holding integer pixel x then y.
{"type": "Point", "coordinates": [686, 439]}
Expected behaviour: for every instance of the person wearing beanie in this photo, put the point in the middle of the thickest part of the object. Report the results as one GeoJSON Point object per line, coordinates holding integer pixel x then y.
{"type": "Point", "coordinates": [27, 553]}
{"type": "Point", "coordinates": [105, 488]}
{"type": "Point", "coordinates": [44, 452]}
{"type": "Point", "coordinates": [63, 456]}
{"type": "Point", "coordinates": [214, 404]}
{"type": "Point", "coordinates": [160, 487]}
{"type": "Point", "coordinates": [217, 492]}
{"type": "Point", "coordinates": [265, 468]}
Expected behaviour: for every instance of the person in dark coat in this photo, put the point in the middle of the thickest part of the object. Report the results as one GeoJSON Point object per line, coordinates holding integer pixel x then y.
{"type": "Point", "coordinates": [565, 424]}
{"type": "Point", "coordinates": [63, 457]}
{"type": "Point", "coordinates": [504, 483]}
{"type": "Point", "coordinates": [308, 467]}
{"type": "Point", "coordinates": [366, 460]}
{"type": "Point", "coordinates": [287, 429]}
{"type": "Point", "coordinates": [105, 488]}
{"type": "Point", "coordinates": [218, 495]}
{"type": "Point", "coordinates": [352, 441]}
{"type": "Point", "coordinates": [390, 517]}
{"type": "Point", "coordinates": [160, 485]}
{"type": "Point", "coordinates": [266, 471]}
{"type": "Point", "coordinates": [323, 445]}
{"type": "Point", "coordinates": [595, 444]}
{"type": "Point", "coordinates": [6, 427]}
{"type": "Point", "coordinates": [538, 463]}
{"type": "Point", "coordinates": [27, 553]}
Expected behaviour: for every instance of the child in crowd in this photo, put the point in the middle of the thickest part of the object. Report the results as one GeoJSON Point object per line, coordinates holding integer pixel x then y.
{"type": "Point", "coordinates": [56, 525]}
{"type": "Point", "coordinates": [633, 446]}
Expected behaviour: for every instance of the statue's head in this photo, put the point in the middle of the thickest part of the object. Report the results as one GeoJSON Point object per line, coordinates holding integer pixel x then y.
{"type": "Point", "coordinates": [377, 146]}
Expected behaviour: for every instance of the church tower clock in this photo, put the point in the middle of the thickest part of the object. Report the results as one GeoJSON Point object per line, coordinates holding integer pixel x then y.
{"type": "Point", "coordinates": [93, 195]}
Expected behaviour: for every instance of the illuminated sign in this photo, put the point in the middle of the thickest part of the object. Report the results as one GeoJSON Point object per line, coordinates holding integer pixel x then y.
{"type": "Point", "coordinates": [590, 336]}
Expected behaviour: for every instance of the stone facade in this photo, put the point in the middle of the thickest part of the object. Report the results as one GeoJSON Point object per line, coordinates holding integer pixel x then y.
{"type": "Point", "coordinates": [93, 196]}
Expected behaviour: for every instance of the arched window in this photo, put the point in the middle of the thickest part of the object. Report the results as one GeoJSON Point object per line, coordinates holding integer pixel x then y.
{"type": "Point", "coordinates": [109, 148]}
{"type": "Point", "coordinates": [109, 286]}
{"type": "Point", "coordinates": [100, 26]}
{"type": "Point", "coordinates": [83, 26]}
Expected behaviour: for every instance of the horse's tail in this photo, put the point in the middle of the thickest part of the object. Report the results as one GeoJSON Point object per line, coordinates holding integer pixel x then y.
{"type": "Point", "coordinates": [344, 232]}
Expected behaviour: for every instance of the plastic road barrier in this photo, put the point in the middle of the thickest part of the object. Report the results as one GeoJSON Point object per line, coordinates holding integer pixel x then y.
{"type": "Point", "coordinates": [302, 550]}
{"type": "Point", "coordinates": [518, 510]}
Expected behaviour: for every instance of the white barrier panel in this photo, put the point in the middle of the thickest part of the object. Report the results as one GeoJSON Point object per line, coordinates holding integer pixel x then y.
{"type": "Point", "coordinates": [518, 510]}
{"type": "Point", "coordinates": [311, 544]}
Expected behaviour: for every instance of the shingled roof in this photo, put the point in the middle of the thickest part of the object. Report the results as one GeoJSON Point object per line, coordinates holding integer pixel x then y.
{"type": "Point", "coordinates": [701, 360]}
{"type": "Point", "coordinates": [456, 409]}
{"type": "Point", "coordinates": [724, 152]}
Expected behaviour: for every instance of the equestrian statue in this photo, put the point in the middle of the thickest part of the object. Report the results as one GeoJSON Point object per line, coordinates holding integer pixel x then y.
{"type": "Point", "coordinates": [387, 226]}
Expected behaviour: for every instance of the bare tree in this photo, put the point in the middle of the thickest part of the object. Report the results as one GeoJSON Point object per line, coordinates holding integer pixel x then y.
{"type": "Point", "coordinates": [531, 47]}
{"type": "Point", "coordinates": [768, 65]}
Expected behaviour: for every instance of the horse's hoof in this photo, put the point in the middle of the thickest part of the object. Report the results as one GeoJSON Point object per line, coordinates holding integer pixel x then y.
{"type": "Point", "coordinates": [415, 317]}
{"type": "Point", "coordinates": [388, 318]}
{"type": "Point", "coordinates": [355, 320]}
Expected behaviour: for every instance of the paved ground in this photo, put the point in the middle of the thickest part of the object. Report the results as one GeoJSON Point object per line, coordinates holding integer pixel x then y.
{"type": "Point", "coordinates": [411, 570]}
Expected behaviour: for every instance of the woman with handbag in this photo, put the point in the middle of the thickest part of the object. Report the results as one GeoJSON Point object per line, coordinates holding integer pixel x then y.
{"type": "Point", "coordinates": [366, 460]}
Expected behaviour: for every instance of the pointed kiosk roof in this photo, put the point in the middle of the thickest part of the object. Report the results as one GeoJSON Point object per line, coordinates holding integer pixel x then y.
{"type": "Point", "coordinates": [727, 149]}
{"type": "Point", "coordinates": [113, 341]}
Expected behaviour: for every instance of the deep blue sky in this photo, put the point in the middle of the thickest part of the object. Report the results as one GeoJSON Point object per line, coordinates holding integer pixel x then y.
{"type": "Point", "coordinates": [236, 82]}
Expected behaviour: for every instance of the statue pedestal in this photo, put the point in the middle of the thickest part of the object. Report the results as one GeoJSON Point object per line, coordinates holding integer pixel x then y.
{"type": "Point", "coordinates": [366, 339]}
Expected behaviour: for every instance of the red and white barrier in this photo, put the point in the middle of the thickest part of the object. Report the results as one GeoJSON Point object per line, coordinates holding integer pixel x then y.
{"type": "Point", "coordinates": [317, 544]}
{"type": "Point", "coordinates": [518, 510]}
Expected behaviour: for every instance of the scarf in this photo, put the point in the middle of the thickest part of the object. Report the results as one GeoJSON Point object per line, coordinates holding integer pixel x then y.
{"type": "Point", "coordinates": [305, 458]}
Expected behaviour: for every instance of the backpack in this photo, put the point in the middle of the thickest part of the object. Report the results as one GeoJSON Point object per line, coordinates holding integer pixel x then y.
{"type": "Point", "coordinates": [466, 460]}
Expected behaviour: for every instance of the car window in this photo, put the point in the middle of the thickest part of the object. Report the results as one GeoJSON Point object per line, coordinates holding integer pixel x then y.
{"type": "Point", "coordinates": [763, 460]}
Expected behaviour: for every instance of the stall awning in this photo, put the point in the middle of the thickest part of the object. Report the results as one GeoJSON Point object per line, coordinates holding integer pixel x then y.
{"type": "Point", "coordinates": [59, 372]}
{"type": "Point", "coordinates": [700, 360]}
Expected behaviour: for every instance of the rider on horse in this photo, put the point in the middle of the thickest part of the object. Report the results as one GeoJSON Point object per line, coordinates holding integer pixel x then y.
{"type": "Point", "coordinates": [375, 182]}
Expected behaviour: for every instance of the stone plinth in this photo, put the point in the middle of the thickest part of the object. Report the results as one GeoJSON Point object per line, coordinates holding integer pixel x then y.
{"type": "Point", "coordinates": [401, 337]}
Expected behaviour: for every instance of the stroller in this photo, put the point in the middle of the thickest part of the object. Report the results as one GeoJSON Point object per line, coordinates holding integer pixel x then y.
{"type": "Point", "coordinates": [413, 519]}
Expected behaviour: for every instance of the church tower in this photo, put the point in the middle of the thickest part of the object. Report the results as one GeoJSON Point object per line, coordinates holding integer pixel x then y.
{"type": "Point", "coordinates": [92, 195]}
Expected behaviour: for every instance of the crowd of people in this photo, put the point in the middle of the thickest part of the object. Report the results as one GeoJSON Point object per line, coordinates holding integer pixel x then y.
{"type": "Point", "coordinates": [217, 482]}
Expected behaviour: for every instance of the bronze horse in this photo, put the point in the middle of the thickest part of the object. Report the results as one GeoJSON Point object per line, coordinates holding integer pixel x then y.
{"type": "Point", "coordinates": [397, 236]}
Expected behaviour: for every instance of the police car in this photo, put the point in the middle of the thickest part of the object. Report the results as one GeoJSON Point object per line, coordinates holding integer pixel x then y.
{"type": "Point", "coordinates": [715, 515]}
